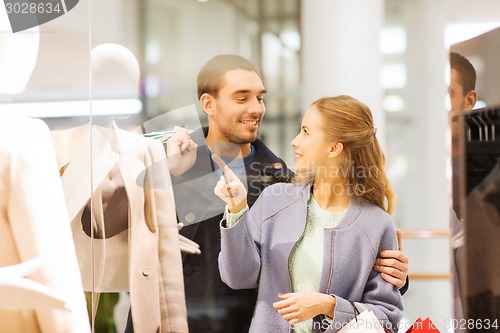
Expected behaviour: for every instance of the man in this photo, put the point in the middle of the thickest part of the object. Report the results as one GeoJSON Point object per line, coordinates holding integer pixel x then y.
{"type": "Point", "coordinates": [231, 94]}
{"type": "Point", "coordinates": [463, 98]}
{"type": "Point", "coordinates": [462, 91]}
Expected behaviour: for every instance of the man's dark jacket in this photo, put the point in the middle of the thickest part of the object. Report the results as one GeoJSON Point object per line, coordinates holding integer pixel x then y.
{"type": "Point", "coordinates": [213, 306]}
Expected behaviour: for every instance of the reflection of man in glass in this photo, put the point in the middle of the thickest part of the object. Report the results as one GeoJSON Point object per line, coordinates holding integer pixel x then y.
{"type": "Point", "coordinates": [462, 91]}
{"type": "Point", "coordinates": [463, 97]}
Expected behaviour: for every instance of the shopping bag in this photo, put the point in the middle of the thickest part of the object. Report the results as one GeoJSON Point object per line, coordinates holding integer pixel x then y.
{"type": "Point", "coordinates": [365, 322]}
{"type": "Point", "coordinates": [423, 326]}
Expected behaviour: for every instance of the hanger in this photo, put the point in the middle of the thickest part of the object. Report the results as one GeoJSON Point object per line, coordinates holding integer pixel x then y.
{"type": "Point", "coordinates": [485, 124]}
{"type": "Point", "coordinates": [492, 123]}
{"type": "Point", "coordinates": [469, 131]}
{"type": "Point", "coordinates": [479, 127]}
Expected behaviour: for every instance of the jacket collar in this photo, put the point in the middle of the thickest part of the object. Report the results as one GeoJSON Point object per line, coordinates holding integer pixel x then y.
{"type": "Point", "coordinates": [353, 210]}
{"type": "Point", "coordinates": [265, 157]}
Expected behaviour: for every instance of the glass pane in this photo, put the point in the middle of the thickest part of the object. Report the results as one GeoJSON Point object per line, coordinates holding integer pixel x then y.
{"type": "Point", "coordinates": [44, 66]}
{"type": "Point", "coordinates": [475, 116]}
{"type": "Point", "coordinates": [413, 77]}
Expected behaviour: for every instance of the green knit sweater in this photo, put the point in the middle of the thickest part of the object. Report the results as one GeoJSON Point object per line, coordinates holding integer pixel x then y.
{"type": "Point", "coordinates": [306, 261]}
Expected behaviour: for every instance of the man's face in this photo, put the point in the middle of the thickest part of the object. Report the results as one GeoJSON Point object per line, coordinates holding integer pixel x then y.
{"type": "Point", "coordinates": [239, 107]}
{"type": "Point", "coordinates": [458, 97]}
{"type": "Point", "coordinates": [460, 100]}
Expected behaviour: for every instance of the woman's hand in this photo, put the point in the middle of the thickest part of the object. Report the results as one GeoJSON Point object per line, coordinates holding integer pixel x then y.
{"type": "Point", "coordinates": [297, 307]}
{"type": "Point", "coordinates": [229, 188]}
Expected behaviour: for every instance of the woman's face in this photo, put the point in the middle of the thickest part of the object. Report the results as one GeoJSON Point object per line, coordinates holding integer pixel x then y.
{"type": "Point", "coordinates": [312, 149]}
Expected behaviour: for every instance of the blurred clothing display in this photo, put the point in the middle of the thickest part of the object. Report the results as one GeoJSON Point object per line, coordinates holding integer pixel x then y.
{"type": "Point", "coordinates": [34, 226]}
{"type": "Point", "coordinates": [483, 248]}
{"type": "Point", "coordinates": [457, 271]}
{"type": "Point", "coordinates": [136, 243]}
{"type": "Point", "coordinates": [482, 219]}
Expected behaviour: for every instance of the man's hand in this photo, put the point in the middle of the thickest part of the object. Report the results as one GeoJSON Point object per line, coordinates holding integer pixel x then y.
{"type": "Point", "coordinates": [300, 306]}
{"type": "Point", "coordinates": [188, 246]}
{"type": "Point", "coordinates": [393, 265]}
{"type": "Point", "coordinates": [181, 151]}
{"type": "Point", "coordinates": [230, 188]}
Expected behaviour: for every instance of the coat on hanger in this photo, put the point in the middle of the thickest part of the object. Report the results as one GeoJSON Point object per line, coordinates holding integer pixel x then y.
{"type": "Point", "coordinates": [144, 258]}
{"type": "Point", "coordinates": [34, 226]}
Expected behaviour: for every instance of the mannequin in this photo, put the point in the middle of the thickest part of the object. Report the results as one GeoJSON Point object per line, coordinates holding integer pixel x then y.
{"type": "Point", "coordinates": [33, 224]}
{"type": "Point", "coordinates": [18, 56]}
{"type": "Point", "coordinates": [135, 248]}
{"type": "Point", "coordinates": [40, 282]}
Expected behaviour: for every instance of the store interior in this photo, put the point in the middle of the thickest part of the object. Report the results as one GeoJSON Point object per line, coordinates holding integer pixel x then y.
{"type": "Point", "coordinates": [127, 63]}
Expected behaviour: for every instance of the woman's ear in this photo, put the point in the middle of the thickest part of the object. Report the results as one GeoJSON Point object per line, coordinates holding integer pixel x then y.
{"type": "Point", "coordinates": [336, 149]}
{"type": "Point", "coordinates": [207, 101]}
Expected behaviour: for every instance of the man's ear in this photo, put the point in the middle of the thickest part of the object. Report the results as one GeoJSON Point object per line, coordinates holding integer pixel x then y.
{"type": "Point", "coordinates": [207, 103]}
{"type": "Point", "coordinates": [470, 100]}
{"type": "Point", "coordinates": [336, 149]}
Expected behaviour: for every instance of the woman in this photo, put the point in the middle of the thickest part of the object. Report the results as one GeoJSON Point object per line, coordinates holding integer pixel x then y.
{"type": "Point", "coordinates": [310, 246]}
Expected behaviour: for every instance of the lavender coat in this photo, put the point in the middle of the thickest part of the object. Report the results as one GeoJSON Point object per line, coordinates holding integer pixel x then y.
{"type": "Point", "coordinates": [255, 253]}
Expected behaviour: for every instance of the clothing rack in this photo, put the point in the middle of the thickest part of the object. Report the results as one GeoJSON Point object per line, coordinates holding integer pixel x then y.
{"type": "Point", "coordinates": [482, 143]}
{"type": "Point", "coordinates": [482, 218]}
{"type": "Point", "coordinates": [483, 124]}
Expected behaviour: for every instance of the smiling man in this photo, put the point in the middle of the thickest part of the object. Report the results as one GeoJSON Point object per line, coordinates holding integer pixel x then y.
{"type": "Point", "coordinates": [235, 112]}
{"type": "Point", "coordinates": [231, 94]}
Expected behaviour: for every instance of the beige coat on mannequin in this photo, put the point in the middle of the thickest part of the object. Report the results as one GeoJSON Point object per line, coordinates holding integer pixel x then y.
{"type": "Point", "coordinates": [146, 261]}
{"type": "Point", "coordinates": [34, 224]}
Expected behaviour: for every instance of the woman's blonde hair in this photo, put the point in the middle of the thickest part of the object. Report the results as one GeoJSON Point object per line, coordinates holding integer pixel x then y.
{"type": "Point", "coordinates": [347, 120]}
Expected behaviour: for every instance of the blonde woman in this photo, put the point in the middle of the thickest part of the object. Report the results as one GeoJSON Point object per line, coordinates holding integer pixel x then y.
{"type": "Point", "coordinates": [310, 246]}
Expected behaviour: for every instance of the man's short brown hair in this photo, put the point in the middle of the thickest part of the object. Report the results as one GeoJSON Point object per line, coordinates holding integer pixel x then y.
{"type": "Point", "coordinates": [466, 72]}
{"type": "Point", "coordinates": [212, 73]}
